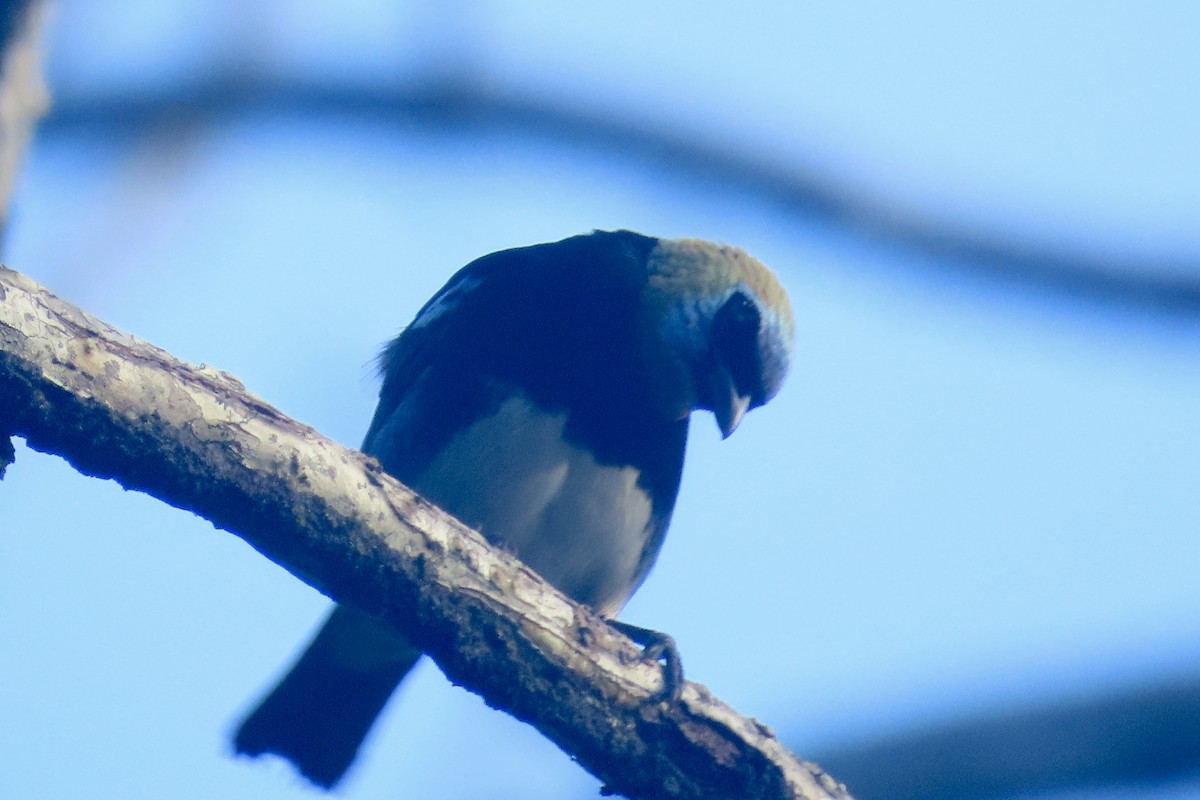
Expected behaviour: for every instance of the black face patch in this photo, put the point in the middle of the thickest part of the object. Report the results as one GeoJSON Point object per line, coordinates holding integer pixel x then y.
{"type": "Point", "coordinates": [735, 344]}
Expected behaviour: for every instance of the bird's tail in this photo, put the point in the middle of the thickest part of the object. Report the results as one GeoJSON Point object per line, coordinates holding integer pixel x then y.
{"type": "Point", "coordinates": [319, 714]}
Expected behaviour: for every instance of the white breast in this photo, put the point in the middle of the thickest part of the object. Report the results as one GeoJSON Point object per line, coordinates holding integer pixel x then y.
{"type": "Point", "coordinates": [581, 525]}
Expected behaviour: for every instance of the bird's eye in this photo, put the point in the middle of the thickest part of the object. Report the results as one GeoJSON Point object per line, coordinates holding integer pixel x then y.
{"type": "Point", "coordinates": [735, 345]}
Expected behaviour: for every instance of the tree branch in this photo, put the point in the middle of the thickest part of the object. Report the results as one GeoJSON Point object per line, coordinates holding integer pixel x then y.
{"type": "Point", "coordinates": [117, 407]}
{"type": "Point", "coordinates": [24, 97]}
{"type": "Point", "coordinates": [1139, 736]}
{"type": "Point", "coordinates": [466, 105]}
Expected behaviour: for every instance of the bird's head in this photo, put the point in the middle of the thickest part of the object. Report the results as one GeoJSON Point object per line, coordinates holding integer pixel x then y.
{"type": "Point", "coordinates": [717, 330]}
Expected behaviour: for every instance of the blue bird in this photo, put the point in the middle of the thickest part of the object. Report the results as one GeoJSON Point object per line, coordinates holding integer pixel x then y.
{"type": "Point", "coordinates": [542, 397]}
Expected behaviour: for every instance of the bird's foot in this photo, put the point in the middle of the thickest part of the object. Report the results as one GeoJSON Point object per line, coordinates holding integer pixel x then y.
{"type": "Point", "coordinates": [657, 646]}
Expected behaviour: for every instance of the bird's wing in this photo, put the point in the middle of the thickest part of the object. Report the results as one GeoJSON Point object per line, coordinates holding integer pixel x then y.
{"type": "Point", "coordinates": [431, 389]}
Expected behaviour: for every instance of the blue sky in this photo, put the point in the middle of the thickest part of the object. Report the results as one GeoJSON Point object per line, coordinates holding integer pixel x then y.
{"type": "Point", "coordinates": [967, 497]}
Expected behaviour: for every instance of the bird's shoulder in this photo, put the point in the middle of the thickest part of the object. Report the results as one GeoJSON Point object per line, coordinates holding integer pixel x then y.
{"type": "Point", "coordinates": [540, 304]}
{"type": "Point", "coordinates": [554, 321]}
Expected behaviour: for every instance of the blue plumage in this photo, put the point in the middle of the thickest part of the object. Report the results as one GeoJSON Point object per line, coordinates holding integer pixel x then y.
{"type": "Point", "coordinates": [543, 397]}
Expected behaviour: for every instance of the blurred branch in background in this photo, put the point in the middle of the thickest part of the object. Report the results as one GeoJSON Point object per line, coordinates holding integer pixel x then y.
{"type": "Point", "coordinates": [1135, 738]}
{"type": "Point", "coordinates": [462, 105]}
{"type": "Point", "coordinates": [23, 94]}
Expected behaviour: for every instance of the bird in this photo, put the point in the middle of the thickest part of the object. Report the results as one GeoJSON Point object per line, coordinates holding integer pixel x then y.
{"type": "Point", "coordinates": [543, 397]}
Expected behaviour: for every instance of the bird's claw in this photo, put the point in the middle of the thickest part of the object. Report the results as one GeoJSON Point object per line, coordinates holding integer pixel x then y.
{"type": "Point", "coordinates": [657, 646]}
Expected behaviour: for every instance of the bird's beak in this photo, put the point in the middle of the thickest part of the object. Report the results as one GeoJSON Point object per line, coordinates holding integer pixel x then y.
{"type": "Point", "coordinates": [729, 406]}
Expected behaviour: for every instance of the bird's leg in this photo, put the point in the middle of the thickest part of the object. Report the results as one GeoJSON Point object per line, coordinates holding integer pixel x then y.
{"type": "Point", "coordinates": [657, 646]}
